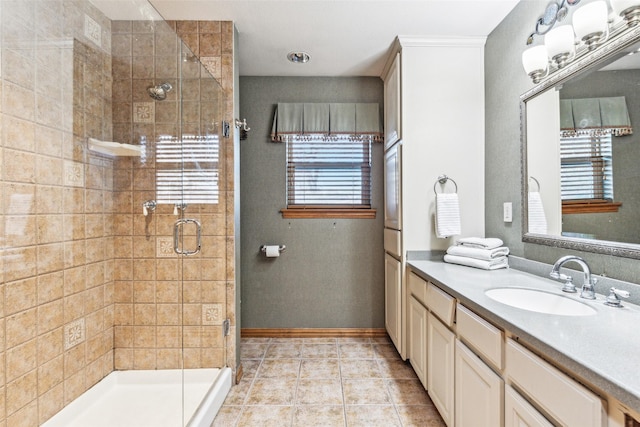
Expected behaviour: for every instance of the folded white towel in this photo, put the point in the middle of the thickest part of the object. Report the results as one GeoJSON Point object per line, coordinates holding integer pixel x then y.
{"type": "Point", "coordinates": [494, 264]}
{"type": "Point", "coordinates": [486, 254]}
{"type": "Point", "coordinates": [480, 242]}
{"type": "Point", "coordinates": [447, 215]}
{"type": "Point", "coordinates": [536, 216]}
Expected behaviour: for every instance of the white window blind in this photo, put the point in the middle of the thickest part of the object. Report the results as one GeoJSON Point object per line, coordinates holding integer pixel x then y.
{"type": "Point", "coordinates": [333, 171]}
{"type": "Point", "coordinates": [586, 167]}
{"type": "Point", "coordinates": [187, 169]}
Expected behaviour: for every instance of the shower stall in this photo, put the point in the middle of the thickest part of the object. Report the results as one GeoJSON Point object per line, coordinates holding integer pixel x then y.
{"type": "Point", "coordinates": [117, 239]}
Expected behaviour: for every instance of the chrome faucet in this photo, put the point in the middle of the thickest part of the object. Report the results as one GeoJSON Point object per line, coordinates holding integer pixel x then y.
{"type": "Point", "coordinates": [588, 285]}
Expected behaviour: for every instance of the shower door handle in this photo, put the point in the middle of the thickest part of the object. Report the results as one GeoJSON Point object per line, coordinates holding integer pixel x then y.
{"type": "Point", "coordinates": [177, 231]}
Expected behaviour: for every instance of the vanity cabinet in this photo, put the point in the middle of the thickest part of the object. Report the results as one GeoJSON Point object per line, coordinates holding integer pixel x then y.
{"type": "Point", "coordinates": [520, 413]}
{"type": "Point", "coordinates": [478, 391]}
{"type": "Point", "coordinates": [393, 298]}
{"type": "Point", "coordinates": [440, 368]}
{"type": "Point", "coordinates": [417, 320]}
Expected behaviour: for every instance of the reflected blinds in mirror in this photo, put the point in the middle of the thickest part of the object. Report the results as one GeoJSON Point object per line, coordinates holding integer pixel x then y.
{"type": "Point", "coordinates": [586, 167]}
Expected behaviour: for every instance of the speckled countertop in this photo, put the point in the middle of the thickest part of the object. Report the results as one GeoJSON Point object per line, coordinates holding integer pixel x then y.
{"type": "Point", "coordinates": [602, 349]}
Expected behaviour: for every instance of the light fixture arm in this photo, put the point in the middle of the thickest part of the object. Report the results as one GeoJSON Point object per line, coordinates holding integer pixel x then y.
{"type": "Point", "coordinates": [555, 11]}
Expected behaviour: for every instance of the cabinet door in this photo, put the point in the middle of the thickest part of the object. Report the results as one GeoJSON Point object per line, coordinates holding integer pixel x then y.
{"type": "Point", "coordinates": [417, 344]}
{"type": "Point", "coordinates": [519, 413]}
{"type": "Point", "coordinates": [440, 367]}
{"type": "Point", "coordinates": [392, 104]}
{"type": "Point", "coordinates": [392, 185]}
{"type": "Point", "coordinates": [392, 299]}
{"type": "Point", "coordinates": [478, 391]}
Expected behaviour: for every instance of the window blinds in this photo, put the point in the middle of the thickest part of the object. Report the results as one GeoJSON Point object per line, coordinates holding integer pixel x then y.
{"type": "Point", "coordinates": [586, 167]}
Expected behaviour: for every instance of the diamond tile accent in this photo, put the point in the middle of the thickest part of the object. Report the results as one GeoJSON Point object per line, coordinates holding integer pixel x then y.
{"type": "Point", "coordinates": [212, 314]}
{"type": "Point", "coordinates": [144, 112]}
{"type": "Point", "coordinates": [73, 174]}
{"type": "Point", "coordinates": [74, 333]}
{"type": "Point", "coordinates": [213, 65]}
{"type": "Point", "coordinates": [92, 30]}
{"type": "Point", "coordinates": [164, 247]}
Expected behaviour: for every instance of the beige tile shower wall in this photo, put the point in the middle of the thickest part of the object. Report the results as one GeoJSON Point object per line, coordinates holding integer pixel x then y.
{"type": "Point", "coordinates": [162, 302]}
{"type": "Point", "coordinates": [56, 305]}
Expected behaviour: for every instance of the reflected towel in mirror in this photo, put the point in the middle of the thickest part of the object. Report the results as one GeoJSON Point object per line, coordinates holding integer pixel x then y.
{"type": "Point", "coordinates": [537, 218]}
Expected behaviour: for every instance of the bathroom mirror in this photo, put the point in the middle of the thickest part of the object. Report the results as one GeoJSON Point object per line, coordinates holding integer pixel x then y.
{"type": "Point", "coordinates": [608, 71]}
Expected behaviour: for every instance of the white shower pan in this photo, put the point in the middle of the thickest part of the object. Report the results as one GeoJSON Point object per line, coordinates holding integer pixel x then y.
{"type": "Point", "coordinates": [149, 398]}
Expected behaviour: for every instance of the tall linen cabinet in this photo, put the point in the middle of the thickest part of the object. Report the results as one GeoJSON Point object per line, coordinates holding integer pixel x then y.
{"type": "Point", "coordinates": [434, 125]}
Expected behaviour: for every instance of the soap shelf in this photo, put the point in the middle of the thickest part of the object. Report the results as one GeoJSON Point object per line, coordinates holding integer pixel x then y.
{"type": "Point", "coordinates": [114, 148]}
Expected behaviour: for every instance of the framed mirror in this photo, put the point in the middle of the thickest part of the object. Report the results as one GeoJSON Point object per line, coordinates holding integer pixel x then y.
{"type": "Point", "coordinates": [605, 217]}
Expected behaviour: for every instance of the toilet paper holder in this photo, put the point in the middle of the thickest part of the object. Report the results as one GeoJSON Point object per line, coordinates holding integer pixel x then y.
{"type": "Point", "coordinates": [281, 248]}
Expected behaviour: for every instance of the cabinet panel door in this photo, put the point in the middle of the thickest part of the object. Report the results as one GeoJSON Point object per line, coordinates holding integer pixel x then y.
{"type": "Point", "coordinates": [478, 391]}
{"type": "Point", "coordinates": [519, 413]}
{"type": "Point", "coordinates": [392, 187]}
{"type": "Point", "coordinates": [393, 299]}
{"type": "Point", "coordinates": [418, 339]}
{"type": "Point", "coordinates": [392, 104]}
{"type": "Point", "coordinates": [440, 368]}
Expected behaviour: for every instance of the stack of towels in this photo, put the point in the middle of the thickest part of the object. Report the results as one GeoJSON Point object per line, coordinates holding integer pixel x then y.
{"type": "Point", "coordinates": [479, 252]}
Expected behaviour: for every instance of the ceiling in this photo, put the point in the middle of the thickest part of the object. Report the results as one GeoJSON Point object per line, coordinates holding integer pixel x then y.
{"type": "Point", "coordinates": [343, 37]}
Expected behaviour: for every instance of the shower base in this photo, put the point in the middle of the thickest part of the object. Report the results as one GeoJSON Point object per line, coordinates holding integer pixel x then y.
{"type": "Point", "coordinates": [151, 398]}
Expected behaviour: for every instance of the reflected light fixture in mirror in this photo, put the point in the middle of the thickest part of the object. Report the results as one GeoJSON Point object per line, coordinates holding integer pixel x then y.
{"type": "Point", "coordinates": [560, 45]}
{"type": "Point", "coordinates": [628, 9]}
{"type": "Point", "coordinates": [590, 22]}
{"type": "Point", "coordinates": [535, 62]}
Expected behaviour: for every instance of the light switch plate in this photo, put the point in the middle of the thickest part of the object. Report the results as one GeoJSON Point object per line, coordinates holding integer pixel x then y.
{"type": "Point", "coordinates": [507, 212]}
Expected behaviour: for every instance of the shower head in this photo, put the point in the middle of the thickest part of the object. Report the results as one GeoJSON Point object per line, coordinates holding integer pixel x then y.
{"type": "Point", "coordinates": [159, 92]}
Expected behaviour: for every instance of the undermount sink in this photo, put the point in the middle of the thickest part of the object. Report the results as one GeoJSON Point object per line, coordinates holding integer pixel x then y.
{"type": "Point", "coordinates": [540, 301]}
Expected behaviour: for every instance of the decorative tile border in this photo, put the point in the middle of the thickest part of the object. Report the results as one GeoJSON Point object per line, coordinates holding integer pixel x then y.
{"type": "Point", "coordinates": [164, 247]}
{"type": "Point", "coordinates": [92, 30]}
{"type": "Point", "coordinates": [74, 333]}
{"type": "Point", "coordinates": [144, 112]}
{"type": "Point", "coordinates": [212, 314]}
{"type": "Point", "coordinates": [73, 174]}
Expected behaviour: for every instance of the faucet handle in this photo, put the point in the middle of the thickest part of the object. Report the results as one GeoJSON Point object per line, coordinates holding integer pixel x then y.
{"type": "Point", "coordinates": [613, 299]}
{"type": "Point", "coordinates": [568, 286]}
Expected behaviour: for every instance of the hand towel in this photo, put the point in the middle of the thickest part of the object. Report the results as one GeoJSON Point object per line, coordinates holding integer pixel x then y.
{"type": "Point", "coordinates": [494, 264]}
{"type": "Point", "coordinates": [480, 242]}
{"type": "Point", "coordinates": [485, 254]}
{"type": "Point", "coordinates": [537, 218]}
{"type": "Point", "coordinates": [447, 215]}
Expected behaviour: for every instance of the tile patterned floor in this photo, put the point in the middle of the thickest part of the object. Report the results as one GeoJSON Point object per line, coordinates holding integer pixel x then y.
{"type": "Point", "coordinates": [326, 382]}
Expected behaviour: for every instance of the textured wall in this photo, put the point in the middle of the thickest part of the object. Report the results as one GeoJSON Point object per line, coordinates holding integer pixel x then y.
{"type": "Point", "coordinates": [505, 81]}
{"type": "Point", "coordinates": [332, 273]}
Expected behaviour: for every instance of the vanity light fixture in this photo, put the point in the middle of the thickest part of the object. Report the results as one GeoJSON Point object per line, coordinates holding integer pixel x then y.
{"type": "Point", "coordinates": [564, 43]}
{"type": "Point", "coordinates": [298, 57]}
{"type": "Point", "coordinates": [628, 9]}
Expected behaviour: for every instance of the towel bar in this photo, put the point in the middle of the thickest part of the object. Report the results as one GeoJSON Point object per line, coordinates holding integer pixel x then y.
{"type": "Point", "coordinates": [442, 179]}
{"type": "Point", "coordinates": [536, 181]}
{"type": "Point", "coordinates": [281, 248]}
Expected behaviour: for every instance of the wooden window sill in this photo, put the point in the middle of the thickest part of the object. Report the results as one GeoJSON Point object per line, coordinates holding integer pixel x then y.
{"type": "Point", "coordinates": [590, 206]}
{"type": "Point", "coordinates": [346, 213]}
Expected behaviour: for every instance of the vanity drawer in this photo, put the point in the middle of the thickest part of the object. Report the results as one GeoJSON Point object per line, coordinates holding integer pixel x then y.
{"type": "Point", "coordinates": [486, 339]}
{"type": "Point", "coordinates": [418, 288]}
{"type": "Point", "coordinates": [441, 304]}
{"type": "Point", "coordinates": [392, 242]}
{"type": "Point", "coordinates": [567, 401]}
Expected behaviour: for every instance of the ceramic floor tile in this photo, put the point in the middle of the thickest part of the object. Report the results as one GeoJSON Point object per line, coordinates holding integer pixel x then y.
{"type": "Point", "coordinates": [253, 351]}
{"type": "Point", "coordinates": [271, 391]}
{"type": "Point", "coordinates": [385, 351]}
{"type": "Point", "coordinates": [372, 416]}
{"type": "Point", "coordinates": [419, 416]}
{"type": "Point", "coordinates": [319, 351]}
{"type": "Point", "coordinates": [407, 392]}
{"type": "Point", "coordinates": [227, 416]}
{"type": "Point", "coordinates": [320, 368]}
{"type": "Point", "coordinates": [318, 392]}
{"type": "Point", "coordinates": [280, 350]}
{"type": "Point", "coordinates": [319, 416]}
{"type": "Point", "coordinates": [319, 340]}
{"type": "Point", "coordinates": [360, 368]}
{"type": "Point", "coordinates": [398, 369]}
{"type": "Point", "coordinates": [355, 350]}
{"type": "Point", "coordinates": [365, 392]}
{"type": "Point", "coordinates": [279, 368]}
{"type": "Point", "coordinates": [238, 393]}
{"type": "Point", "coordinates": [266, 416]}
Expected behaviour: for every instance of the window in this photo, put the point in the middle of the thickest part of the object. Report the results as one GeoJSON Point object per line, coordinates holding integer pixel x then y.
{"type": "Point", "coordinates": [328, 176]}
{"type": "Point", "coordinates": [586, 173]}
{"type": "Point", "coordinates": [187, 169]}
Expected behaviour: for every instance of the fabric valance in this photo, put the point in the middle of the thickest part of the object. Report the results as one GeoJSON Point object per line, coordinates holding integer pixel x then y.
{"type": "Point", "coordinates": [357, 120]}
{"type": "Point", "coordinates": [594, 116]}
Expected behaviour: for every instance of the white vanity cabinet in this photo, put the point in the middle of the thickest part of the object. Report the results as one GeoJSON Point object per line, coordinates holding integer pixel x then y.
{"type": "Point", "coordinates": [520, 413]}
{"type": "Point", "coordinates": [393, 298]}
{"type": "Point", "coordinates": [417, 322]}
{"type": "Point", "coordinates": [392, 129]}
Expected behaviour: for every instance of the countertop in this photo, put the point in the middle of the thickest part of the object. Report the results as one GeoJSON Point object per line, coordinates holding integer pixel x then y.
{"type": "Point", "coordinates": [602, 349]}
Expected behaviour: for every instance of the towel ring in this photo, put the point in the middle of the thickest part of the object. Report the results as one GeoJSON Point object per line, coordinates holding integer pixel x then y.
{"type": "Point", "coordinates": [442, 179]}
{"type": "Point", "coordinates": [536, 181]}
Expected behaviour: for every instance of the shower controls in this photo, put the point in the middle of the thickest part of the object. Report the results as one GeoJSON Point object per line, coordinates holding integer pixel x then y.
{"type": "Point", "coordinates": [148, 206]}
{"type": "Point", "coordinates": [179, 207]}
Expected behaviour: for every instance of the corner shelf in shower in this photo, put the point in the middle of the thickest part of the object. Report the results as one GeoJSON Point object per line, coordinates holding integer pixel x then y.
{"type": "Point", "coordinates": [114, 148]}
